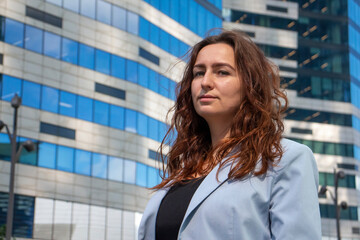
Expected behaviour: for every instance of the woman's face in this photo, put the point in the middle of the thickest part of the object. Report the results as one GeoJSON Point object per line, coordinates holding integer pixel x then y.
{"type": "Point", "coordinates": [216, 87]}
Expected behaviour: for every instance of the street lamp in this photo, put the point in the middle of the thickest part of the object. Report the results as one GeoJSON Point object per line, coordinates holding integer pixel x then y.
{"type": "Point", "coordinates": [343, 205]}
{"type": "Point", "coordinates": [15, 154]}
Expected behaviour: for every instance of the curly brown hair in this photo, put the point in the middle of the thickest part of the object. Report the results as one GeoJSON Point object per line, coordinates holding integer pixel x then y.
{"type": "Point", "coordinates": [256, 128]}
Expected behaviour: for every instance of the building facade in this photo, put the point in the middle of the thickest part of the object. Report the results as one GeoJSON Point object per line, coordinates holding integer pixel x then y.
{"type": "Point", "coordinates": [96, 80]}
{"type": "Point", "coordinates": [316, 46]}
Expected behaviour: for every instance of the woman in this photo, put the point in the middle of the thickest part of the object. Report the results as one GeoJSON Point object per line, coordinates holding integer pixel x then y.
{"type": "Point", "coordinates": [229, 173]}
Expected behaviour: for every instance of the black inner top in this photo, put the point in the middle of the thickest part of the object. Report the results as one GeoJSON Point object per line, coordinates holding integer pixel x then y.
{"type": "Point", "coordinates": [173, 208]}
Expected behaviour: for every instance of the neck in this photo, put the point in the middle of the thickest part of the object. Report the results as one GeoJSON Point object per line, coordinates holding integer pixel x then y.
{"type": "Point", "coordinates": [218, 131]}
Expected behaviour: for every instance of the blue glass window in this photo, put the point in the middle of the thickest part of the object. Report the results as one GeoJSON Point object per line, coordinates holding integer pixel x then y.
{"type": "Point", "coordinates": [47, 155]}
{"type": "Point", "coordinates": [25, 156]}
{"type": "Point", "coordinates": [141, 174]}
{"type": "Point", "coordinates": [102, 61]}
{"type": "Point", "coordinates": [72, 5]}
{"type": "Point", "coordinates": [10, 86]}
{"type": "Point", "coordinates": [162, 130]}
{"type": "Point", "coordinates": [119, 17]}
{"type": "Point", "coordinates": [152, 177]}
{"type": "Point", "coordinates": [117, 117]}
{"type": "Point", "coordinates": [130, 120]}
{"type": "Point", "coordinates": [14, 32]}
{"type": "Point", "coordinates": [155, 3]}
{"type": "Point", "coordinates": [193, 9]}
{"type": "Point", "coordinates": [23, 216]}
{"type": "Point", "coordinates": [142, 124]}
{"type": "Point", "coordinates": [69, 51]}
{"type": "Point", "coordinates": [82, 162]}
{"type": "Point", "coordinates": [118, 66]}
{"type": "Point", "coordinates": [65, 159]}
{"type": "Point", "coordinates": [153, 81]}
{"type": "Point", "coordinates": [5, 147]}
{"type": "Point", "coordinates": [129, 171]}
{"type": "Point", "coordinates": [175, 10]}
{"type": "Point", "coordinates": [104, 12]}
{"type": "Point", "coordinates": [144, 26]}
{"type": "Point", "coordinates": [115, 169]}
{"type": "Point", "coordinates": [87, 8]}
{"type": "Point", "coordinates": [155, 34]}
{"type": "Point", "coordinates": [184, 5]}
{"type": "Point", "coordinates": [67, 104]}
{"type": "Point", "coordinates": [201, 21]}
{"type": "Point", "coordinates": [50, 99]}
{"type": "Point", "coordinates": [85, 108]}
{"type": "Point", "coordinates": [33, 39]}
{"type": "Point", "coordinates": [86, 56]}
{"type": "Point", "coordinates": [164, 86]}
{"type": "Point", "coordinates": [52, 44]}
{"type": "Point", "coordinates": [165, 7]}
{"type": "Point", "coordinates": [101, 113]}
{"type": "Point", "coordinates": [172, 89]}
{"type": "Point", "coordinates": [164, 40]}
{"type": "Point", "coordinates": [132, 25]}
{"type": "Point", "coordinates": [131, 71]}
{"type": "Point", "coordinates": [31, 94]}
{"type": "Point", "coordinates": [99, 165]}
{"type": "Point", "coordinates": [153, 129]}
{"type": "Point", "coordinates": [143, 76]}
{"type": "Point", "coordinates": [174, 46]}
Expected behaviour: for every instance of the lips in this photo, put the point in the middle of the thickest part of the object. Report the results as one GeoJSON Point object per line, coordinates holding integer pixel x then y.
{"type": "Point", "coordinates": [207, 96]}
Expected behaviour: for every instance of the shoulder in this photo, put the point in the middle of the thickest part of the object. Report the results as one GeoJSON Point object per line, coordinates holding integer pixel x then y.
{"type": "Point", "coordinates": [295, 155]}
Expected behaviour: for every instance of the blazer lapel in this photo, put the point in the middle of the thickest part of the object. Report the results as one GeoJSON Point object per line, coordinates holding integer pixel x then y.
{"type": "Point", "coordinates": [207, 187]}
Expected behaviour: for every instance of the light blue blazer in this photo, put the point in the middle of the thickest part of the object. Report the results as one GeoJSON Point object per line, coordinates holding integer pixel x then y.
{"type": "Point", "coordinates": [282, 205]}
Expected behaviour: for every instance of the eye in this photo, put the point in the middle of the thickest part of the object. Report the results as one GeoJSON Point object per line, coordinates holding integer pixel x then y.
{"type": "Point", "coordinates": [223, 73]}
{"type": "Point", "coordinates": [198, 74]}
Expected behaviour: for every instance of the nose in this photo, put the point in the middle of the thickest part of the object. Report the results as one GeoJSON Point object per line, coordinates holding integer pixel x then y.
{"type": "Point", "coordinates": [207, 82]}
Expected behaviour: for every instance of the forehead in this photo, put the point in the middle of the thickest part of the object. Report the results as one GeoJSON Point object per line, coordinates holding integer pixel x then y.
{"type": "Point", "coordinates": [216, 53]}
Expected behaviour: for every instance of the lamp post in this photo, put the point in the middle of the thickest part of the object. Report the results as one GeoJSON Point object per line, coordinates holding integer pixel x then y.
{"type": "Point", "coordinates": [343, 205]}
{"type": "Point", "coordinates": [15, 154]}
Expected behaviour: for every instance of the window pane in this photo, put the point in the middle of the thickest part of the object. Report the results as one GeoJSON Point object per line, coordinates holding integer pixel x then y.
{"type": "Point", "coordinates": [119, 17]}
{"type": "Point", "coordinates": [174, 46]}
{"type": "Point", "coordinates": [5, 147]}
{"type": "Point", "coordinates": [82, 162]}
{"type": "Point", "coordinates": [152, 177]}
{"type": "Point", "coordinates": [14, 32]}
{"type": "Point", "coordinates": [164, 40]}
{"type": "Point", "coordinates": [104, 12]}
{"type": "Point", "coordinates": [23, 216]}
{"type": "Point", "coordinates": [115, 169]}
{"type": "Point", "coordinates": [154, 36]}
{"type": "Point", "coordinates": [130, 121]}
{"type": "Point", "coordinates": [153, 129]}
{"type": "Point", "coordinates": [62, 220]}
{"type": "Point", "coordinates": [144, 26]}
{"type": "Point", "coordinates": [50, 99]}
{"type": "Point", "coordinates": [99, 165]}
{"type": "Point", "coordinates": [153, 81]}
{"type": "Point", "coordinates": [117, 66]}
{"type": "Point", "coordinates": [143, 75]}
{"type": "Point", "coordinates": [131, 71]}
{"type": "Point", "coordinates": [85, 108]}
{"type": "Point", "coordinates": [129, 171]}
{"type": "Point", "coordinates": [86, 56]}
{"type": "Point", "coordinates": [142, 124]}
{"type": "Point", "coordinates": [113, 231]}
{"type": "Point", "coordinates": [69, 51]}
{"type": "Point", "coordinates": [141, 174]}
{"type": "Point", "coordinates": [172, 90]}
{"type": "Point", "coordinates": [162, 131]}
{"type": "Point", "coordinates": [33, 39]}
{"type": "Point", "coordinates": [47, 155]}
{"type": "Point", "coordinates": [28, 157]}
{"type": "Point", "coordinates": [132, 22]}
{"type": "Point", "coordinates": [117, 117]}
{"type": "Point", "coordinates": [102, 61]}
{"type": "Point", "coordinates": [101, 113]}
{"type": "Point", "coordinates": [65, 159]}
{"type": "Point", "coordinates": [72, 5]}
{"type": "Point", "coordinates": [87, 8]}
{"type": "Point", "coordinates": [80, 219]}
{"type": "Point", "coordinates": [52, 44]}
{"type": "Point", "coordinates": [97, 223]}
{"type": "Point", "coordinates": [10, 86]}
{"type": "Point", "coordinates": [164, 86]}
{"type": "Point", "coordinates": [43, 219]}
{"type": "Point", "coordinates": [67, 104]}
{"type": "Point", "coordinates": [31, 94]}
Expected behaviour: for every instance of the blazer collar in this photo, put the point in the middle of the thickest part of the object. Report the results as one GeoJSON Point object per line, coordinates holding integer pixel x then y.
{"type": "Point", "coordinates": [207, 187]}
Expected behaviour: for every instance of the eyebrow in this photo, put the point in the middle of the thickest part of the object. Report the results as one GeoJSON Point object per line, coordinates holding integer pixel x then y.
{"type": "Point", "coordinates": [215, 65]}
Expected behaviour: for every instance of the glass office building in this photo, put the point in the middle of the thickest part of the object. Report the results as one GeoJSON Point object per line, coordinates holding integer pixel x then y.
{"type": "Point", "coordinates": [317, 47]}
{"type": "Point", "coordinates": [96, 81]}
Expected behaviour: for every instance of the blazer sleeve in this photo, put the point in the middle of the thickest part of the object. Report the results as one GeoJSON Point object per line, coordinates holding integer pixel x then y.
{"type": "Point", "coordinates": [294, 206]}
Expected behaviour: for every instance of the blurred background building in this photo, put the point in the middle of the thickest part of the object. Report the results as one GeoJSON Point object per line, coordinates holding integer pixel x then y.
{"type": "Point", "coordinates": [97, 77]}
